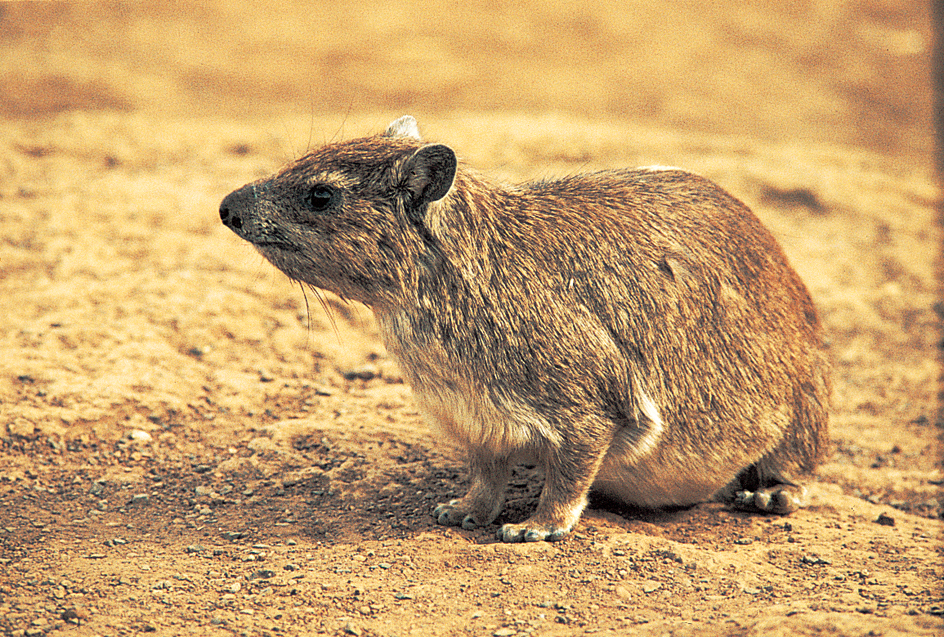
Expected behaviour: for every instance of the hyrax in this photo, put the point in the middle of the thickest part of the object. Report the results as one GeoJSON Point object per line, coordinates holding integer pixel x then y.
{"type": "Point", "coordinates": [637, 332]}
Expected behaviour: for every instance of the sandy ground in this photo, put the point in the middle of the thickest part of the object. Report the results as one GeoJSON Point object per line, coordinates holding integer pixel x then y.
{"type": "Point", "coordinates": [191, 446]}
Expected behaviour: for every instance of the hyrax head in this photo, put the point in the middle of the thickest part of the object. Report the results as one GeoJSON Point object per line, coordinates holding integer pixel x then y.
{"type": "Point", "coordinates": [348, 217]}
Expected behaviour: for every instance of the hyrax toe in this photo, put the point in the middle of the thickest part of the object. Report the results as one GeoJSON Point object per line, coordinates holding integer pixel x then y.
{"type": "Point", "coordinates": [450, 514]}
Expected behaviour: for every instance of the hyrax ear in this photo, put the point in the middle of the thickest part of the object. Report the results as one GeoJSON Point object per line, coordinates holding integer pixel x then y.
{"type": "Point", "coordinates": [403, 127]}
{"type": "Point", "coordinates": [429, 173]}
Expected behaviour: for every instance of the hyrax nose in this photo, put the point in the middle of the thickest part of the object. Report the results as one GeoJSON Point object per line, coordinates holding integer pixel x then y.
{"type": "Point", "coordinates": [233, 204]}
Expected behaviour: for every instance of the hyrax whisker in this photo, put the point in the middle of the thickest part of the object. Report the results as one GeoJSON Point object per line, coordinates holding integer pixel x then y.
{"type": "Point", "coordinates": [327, 311]}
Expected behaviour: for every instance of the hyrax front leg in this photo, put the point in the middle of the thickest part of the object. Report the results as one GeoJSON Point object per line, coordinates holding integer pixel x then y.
{"type": "Point", "coordinates": [569, 472]}
{"type": "Point", "coordinates": [482, 504]}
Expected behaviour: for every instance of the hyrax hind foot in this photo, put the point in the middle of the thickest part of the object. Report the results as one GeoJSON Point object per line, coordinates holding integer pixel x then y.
{"type": "Point", "coordinates": [779, 499]}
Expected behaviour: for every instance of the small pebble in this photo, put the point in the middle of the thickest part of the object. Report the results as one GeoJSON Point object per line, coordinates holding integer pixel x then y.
{"type": "Point", "coordinates": [364, 372]}
{"type": "Point", "coordinates": [885, 520]}
{"type": "Point", "coordinates": [351, 628]}
{"type": "Point", "coordinates": [74, 614]}
{"type": "Point", "coordinates": [139, 435]}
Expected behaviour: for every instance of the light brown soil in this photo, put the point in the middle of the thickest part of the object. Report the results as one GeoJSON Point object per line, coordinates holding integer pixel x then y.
{"type": "Point", "coordinates": [190, 445]}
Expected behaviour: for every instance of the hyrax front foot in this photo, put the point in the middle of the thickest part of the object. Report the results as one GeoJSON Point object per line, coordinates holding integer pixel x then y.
{"type": "Point", "coordinates": [549, 523]}
{"type": "Point", "coordinates": [485, 498]}
{"type": "Point", "coordinates": [453, 513]}
{"type": "Point", "coordinates": [779, 499]}
{"type": "Point", "coordinates": [526, 532]}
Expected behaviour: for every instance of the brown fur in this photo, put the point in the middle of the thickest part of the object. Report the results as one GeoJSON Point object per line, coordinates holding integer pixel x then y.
{"type": "Point", "coordinates": [635, 331]}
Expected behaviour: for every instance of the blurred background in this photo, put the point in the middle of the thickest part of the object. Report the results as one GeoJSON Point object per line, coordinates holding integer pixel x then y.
{"type": "Point", "coordinates": [851, 72]}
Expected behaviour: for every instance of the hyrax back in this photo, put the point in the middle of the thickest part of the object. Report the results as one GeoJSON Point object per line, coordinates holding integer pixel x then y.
{"type": "Point", "coordinates": [634, 331]}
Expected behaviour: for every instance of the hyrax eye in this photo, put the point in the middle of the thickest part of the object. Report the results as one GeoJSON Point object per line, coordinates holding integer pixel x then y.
{"type": "Point", "coordinates": [320, 197]}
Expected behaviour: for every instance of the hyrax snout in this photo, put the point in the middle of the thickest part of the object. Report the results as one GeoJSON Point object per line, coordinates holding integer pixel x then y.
{"type": "Point", "coordinates": [637, 332]}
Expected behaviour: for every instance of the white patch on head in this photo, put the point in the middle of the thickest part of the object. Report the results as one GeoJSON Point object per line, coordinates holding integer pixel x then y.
{"type": "Point", "coordinates": [657, 168]}
{"type": "Point", "coordinates": [404, 127]}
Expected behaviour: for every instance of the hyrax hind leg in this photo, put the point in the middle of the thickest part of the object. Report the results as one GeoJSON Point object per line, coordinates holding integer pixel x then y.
{"type": "Point", "coordinates": [774, 484]}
